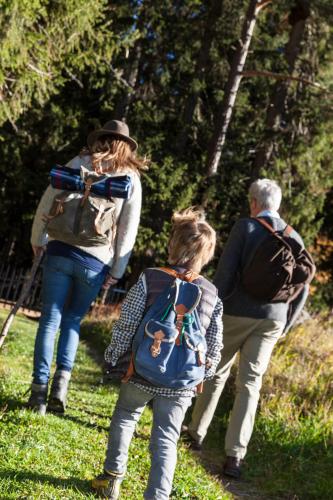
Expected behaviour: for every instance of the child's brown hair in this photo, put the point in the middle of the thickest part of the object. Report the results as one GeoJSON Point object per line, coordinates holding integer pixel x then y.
{"type": "Point", "coordinates": [192, 240]}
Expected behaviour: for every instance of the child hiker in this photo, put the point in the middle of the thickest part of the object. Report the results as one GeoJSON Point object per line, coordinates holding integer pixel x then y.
{"type": "Point", "coordinates": [191, 246]}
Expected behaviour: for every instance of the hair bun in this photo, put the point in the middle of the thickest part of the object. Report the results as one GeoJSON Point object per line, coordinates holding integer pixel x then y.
{"type": "Point", "coordinates": [191, 214]}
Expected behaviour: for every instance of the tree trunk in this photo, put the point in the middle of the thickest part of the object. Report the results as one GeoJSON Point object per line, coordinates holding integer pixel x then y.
{"type": "Point", "coordinates": [131, 78]}
{"type": "Point", "coordinates": [199, 72]}
{"type": "Point", "coordinates": [230, 94]}
{"type": "Point", "coordinates": [297, 18]}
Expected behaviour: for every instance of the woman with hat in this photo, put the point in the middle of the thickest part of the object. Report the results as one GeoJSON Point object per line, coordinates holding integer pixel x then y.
{"type": "Point", "coordinates": [74, 274]}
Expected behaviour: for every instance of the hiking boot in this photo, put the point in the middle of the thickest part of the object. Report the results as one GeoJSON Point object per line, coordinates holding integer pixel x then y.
{"type": "Point", "coordinates": [37, 399]}
{"type": "Point", "coordinates": [194, 443]}
{"type": "Point", "coordinates": [232, 467]}
{"type": "Point", "coordinates": [107, 485]}
{"type": "Point", "coordinates": [58, 394]}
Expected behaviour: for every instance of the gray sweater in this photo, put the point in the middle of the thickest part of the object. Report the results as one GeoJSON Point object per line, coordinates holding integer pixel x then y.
{"type": "Point", "coordinates": [127, 220]}
{"type": "Point", "coordinates": [246, 235]}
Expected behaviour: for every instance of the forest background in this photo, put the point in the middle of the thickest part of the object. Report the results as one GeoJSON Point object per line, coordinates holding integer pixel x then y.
{"type": "Point", "coordinates": [171, 69]}
{"type": "Point", "coordinates": [68, 66]}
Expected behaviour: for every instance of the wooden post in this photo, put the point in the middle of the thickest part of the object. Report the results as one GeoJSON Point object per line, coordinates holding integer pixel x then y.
{"type": "Point", "coordinates": [24, 293]}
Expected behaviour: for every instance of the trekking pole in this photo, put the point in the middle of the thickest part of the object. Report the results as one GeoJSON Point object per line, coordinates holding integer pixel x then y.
{"type": "Point", "coordinates": [23, 295]}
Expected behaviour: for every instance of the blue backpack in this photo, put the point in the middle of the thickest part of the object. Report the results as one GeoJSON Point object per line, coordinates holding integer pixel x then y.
{"type": "Point", "coordinates": [169, 348]}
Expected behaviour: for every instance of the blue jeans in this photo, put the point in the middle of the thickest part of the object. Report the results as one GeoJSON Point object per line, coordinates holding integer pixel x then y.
{"type": "Point", "coordinates": [168, 415]}
{"type": "Point", "coordinates": [67, 292]}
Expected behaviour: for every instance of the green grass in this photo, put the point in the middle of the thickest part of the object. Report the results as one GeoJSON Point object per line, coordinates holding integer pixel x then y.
{"type": "Point", "coordinates": [291, 451]}
{"type": "Point", "coordinates": [56, 457]}
{"type": "Point", "coordinates": [290, 454]}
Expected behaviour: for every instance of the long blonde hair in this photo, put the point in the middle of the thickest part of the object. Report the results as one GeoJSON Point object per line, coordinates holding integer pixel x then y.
{"type": "Point", "coordinates": [114, 155]}
{"type": "Point", "coordinates": [192, 240]}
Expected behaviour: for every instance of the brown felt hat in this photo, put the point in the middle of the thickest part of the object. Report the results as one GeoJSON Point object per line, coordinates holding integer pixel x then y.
{"type": "Point", "coordinates": [114, 128]}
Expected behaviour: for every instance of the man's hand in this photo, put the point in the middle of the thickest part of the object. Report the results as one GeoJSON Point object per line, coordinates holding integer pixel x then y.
{"type": "Point", "coordinates": [109, 281]}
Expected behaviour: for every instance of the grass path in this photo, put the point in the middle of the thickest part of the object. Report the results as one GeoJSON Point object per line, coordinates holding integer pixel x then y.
{"type": "Point", "coordinates": [290, 455]}
{"type": "Point", "coordinates": [55, 457]}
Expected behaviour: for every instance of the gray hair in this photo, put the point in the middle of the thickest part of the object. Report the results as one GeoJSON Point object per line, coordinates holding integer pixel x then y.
{"type": "Point", "coordinates": [267, 193]}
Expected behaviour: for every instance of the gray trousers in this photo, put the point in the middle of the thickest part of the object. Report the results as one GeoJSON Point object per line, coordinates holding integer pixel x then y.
{"type": "Point", "coordinates": [168, 415]}
{"type": "Point", "coordinates": [254, 339]}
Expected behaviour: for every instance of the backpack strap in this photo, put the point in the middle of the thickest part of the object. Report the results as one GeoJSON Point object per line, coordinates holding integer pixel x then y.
{"type": "Point", "coordinates": [287, 230]}
{"type": "Point", "coordinates": [181, 310]}
{"type": "Point", "coordinates": [188, 276]}
{"type": "Point", "coordinates": [57, 207]}
{"type": "Point", "coordinates": [130, 371]}
{"type": "Point", "coordinates": [87, 188]}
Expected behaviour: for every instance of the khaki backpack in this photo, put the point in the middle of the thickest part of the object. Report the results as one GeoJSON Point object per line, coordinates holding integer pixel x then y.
{"type": "Point", "coordinates": [82, 218]}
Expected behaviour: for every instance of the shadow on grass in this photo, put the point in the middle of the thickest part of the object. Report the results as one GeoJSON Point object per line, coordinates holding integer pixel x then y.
{"type": "Point", "coordinates": [79, 485]}
{"type": "Point", "coordinates": [95, 339]}
{"type": "Point", "coordinates": [88, 412]}
{"type": "Point", "coordinates": [10, 404]}
{"type": "Point", "coordinates": [79, 421]}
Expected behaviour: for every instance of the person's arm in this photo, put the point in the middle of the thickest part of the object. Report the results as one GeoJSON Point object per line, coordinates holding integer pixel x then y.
{"type": "Point", "coordinates": [214, 339]}
{"type": "Point", "coordinates": [124, 329]}
{"type": "Point", "coordinates": [38, 231]}
{"type": "Point", "coordinates": [295, 309]}
{"type": "Point", "coordinates": [229, 264]}
{"type": "Point", "coordinates": [296, 306]}
{"type": "Point", "coordinates": [127, 228]}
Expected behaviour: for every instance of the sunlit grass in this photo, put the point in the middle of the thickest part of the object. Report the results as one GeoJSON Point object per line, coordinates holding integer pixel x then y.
{"type": "Point", "coordinates": [290, 453]}
{"type": "Point", "coordinates": [55, 457]}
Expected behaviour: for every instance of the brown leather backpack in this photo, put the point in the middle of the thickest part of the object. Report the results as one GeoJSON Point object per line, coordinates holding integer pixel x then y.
{"type": "Point", "coordinates": [279, 268]}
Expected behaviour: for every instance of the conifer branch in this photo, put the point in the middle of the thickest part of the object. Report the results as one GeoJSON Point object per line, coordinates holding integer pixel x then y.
{"type": "Point", "coordinates": [39, 71]}
{"type": "Point", "coordinates": [120, 78]}
{"type": "Point", "coordinates": [283, 76]}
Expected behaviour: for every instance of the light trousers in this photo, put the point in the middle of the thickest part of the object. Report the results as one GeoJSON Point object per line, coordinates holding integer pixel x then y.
{"type": "Point", "coordinates": [254, 339]}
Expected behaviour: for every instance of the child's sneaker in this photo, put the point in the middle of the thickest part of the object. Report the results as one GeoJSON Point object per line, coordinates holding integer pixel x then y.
{"type": "Point", "coordinates": [107, 485]}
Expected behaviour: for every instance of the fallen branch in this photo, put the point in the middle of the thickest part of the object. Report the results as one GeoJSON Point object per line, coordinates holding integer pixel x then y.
{"type": "Point", "coordinates": [39, 71]}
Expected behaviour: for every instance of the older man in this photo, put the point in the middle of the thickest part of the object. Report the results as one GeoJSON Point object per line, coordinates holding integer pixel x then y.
{"type": "Point", "coordinates": [252, 326]}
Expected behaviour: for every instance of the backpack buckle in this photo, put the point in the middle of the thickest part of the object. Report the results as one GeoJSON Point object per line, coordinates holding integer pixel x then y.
{"type": "Point", "coordinates": [87, 186]}
{"type": "Point", "coordinates": [200, 355]}
{"type": "Point", "coordinates": [181, 310]}
{"type": "Point", "coordinates": [155, 348]}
